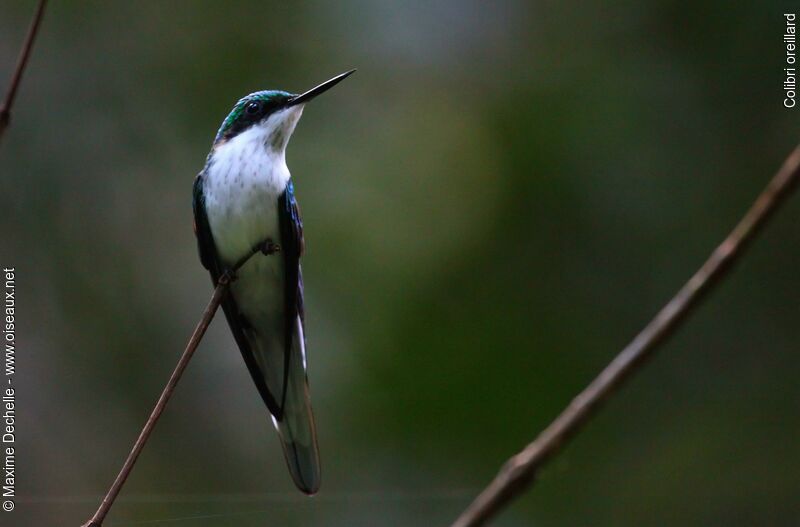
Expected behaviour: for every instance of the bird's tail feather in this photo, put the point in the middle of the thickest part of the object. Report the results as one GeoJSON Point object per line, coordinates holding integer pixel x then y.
{"type": "Point", "coordinates": [296, 426]}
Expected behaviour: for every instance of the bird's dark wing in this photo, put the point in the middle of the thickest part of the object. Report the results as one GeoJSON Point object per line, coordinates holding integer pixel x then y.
{"type": "Point", "coordinates": [237, 322]}
{"type": "Point", "coordinates": [292, 248]}
{"type": "Point", "coordinates": [296, 429]}
{"type": "Point", "coordinates": [205, 242]}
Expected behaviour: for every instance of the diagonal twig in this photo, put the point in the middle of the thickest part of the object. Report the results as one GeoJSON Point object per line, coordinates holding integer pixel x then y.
{"type": "Point", "coordinates": [520, 471]}
{"type": "Point", "coordinates": [22, 61]}
{"type": "Point", "coordinates": [223, 283]}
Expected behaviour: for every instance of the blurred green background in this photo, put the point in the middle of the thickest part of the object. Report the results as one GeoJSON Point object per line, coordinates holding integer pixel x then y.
{"type": "Point", "coordinates": [494, 204]}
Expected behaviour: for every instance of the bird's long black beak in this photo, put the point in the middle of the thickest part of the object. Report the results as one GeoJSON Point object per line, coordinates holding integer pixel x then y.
{"type": "Point", "coordinates": [313, 92]}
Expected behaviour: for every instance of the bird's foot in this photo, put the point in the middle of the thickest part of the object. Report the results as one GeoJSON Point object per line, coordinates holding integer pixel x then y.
{"type": "Point", "coordinates": [228, 276]}
{"type": "Point", "coordinates": [268, 248]}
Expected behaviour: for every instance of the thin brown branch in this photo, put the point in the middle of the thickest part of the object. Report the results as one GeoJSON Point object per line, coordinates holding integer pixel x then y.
{"type": "Point", "coordinates": [520, 471]}
{"type": "Point", "coordinates": [22, 62]}
{"type": "Point", "coordinates": [219, 292]}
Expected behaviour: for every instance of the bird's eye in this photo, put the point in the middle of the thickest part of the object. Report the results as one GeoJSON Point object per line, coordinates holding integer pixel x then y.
{"type": "Point", "coordinates": [253, 108]}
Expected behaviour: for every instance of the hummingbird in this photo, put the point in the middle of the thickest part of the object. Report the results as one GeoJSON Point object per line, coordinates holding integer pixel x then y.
{"type": "Point", "coordinates": [244, 197]}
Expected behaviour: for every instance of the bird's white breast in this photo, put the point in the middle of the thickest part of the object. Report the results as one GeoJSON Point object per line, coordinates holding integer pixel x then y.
{"type": "Point", "coordinates": [242, 185]}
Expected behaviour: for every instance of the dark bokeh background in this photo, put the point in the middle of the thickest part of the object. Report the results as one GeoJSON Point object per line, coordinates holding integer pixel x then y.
{"type": "Point", "coordinates": [494, 204]}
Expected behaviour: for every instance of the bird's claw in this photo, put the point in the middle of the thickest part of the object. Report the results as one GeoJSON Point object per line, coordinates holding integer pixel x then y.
{"type": "Point", "coordinates": [269, 248]}
{"type": "Point", "coordinates": [228, 276]}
